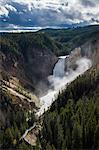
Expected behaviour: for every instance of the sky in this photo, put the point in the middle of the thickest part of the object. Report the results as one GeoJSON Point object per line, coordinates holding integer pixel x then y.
{"type": "Point", "coordinates": [46, 13]}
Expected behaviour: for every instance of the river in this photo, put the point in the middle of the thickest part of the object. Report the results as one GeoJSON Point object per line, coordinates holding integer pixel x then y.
{"type": "Point", "coordinates": [58, 82]}
{"type": "Point", "coordinates": [60, 79]}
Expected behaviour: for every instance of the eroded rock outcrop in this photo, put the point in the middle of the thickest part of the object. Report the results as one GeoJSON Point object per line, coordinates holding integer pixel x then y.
{"type": "Point", "coordinates": [90, 50]}
{"type": "Point", "coordinates": [74, 56]}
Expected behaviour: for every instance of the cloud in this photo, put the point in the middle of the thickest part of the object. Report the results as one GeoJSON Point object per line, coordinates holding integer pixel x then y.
{"type": "Point", "coordinates": [95, 20]}
{"type": "Point", "coordinates": [3, 11]}
{"type": "Point", "coordinates": [88, 3]}
{"type": "Point", "coordinates": [11, 8]}
{"type": "Point", "coordinates": [49, 13]}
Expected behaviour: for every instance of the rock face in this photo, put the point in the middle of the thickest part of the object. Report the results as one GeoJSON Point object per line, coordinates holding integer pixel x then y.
{"type": "Point", "coordinates": [90, 50]}
{"type": "Point", "coordinates": [40, 65]}
{"type": "Point", "coordinates": [74, 56]}
{"type": "Point", "coordinates": [32, 69]}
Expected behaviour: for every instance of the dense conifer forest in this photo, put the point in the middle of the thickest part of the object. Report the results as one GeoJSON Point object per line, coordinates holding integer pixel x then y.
{"type": "Point", "coordinates": [72, 122]}
{"type": "Point", "coordinates": [13, 123]}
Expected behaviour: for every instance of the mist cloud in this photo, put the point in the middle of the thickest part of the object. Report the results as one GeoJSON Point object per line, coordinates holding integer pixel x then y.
{"type": "Point", "coordinates": [59, 82]}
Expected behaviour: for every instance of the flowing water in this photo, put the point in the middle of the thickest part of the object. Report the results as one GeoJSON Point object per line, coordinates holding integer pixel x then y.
{"type": "Point", "coordinates": [59, 69]}
{"type": "Point", "coordinates": [60, 79]}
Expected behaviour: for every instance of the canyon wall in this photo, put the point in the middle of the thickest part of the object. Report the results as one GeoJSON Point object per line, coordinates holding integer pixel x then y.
{"type": "Point", "coordinates": [90, 50]}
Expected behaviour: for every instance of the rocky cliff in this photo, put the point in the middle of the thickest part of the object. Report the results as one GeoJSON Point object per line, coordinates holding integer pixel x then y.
{"type": "Point", "coordinates": [90, 49]}
{"type": "Point", "coordinates": [28, 58]}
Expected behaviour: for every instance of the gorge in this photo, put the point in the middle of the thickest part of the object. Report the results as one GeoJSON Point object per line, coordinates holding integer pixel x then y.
{"type": "Point", "coordinates": [58, 82]}
{"type": "Point", "coordinates": [61, 78]}
{"type": "Point", "coordinates": [40, 73]}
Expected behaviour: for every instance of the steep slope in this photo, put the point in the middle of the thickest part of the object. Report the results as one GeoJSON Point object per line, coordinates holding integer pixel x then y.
{"type": "Point", "coordinates": [28, 57]}
{"type": "Point", "coordinates": [89, 49]}
{"type": "Point", "coordinates": [74, 116]}
{"type": "Point", "coordinates": [15, 117]}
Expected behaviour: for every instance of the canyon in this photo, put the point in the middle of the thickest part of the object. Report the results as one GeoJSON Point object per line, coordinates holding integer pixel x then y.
{"type": "Point", "coordinates": [34, 70]}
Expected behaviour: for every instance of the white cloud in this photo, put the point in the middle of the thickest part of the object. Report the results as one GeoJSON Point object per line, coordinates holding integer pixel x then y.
{"type": "Point", "coordinates": [5, 8]}
{"type": "Point", "coordinates": [64, 11]}
{"type": "Point", "coordinates": [3, 11]}
{"type": "Point", "coordinates": [9, 7]}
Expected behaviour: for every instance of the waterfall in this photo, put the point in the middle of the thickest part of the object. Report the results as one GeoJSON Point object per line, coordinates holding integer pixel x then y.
{"type": "Point", "coordinates": [60, 79]}
{"type": "Point", "coordinates": [59, 69]}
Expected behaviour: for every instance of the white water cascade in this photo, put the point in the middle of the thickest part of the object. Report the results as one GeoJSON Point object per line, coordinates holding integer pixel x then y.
{"type": "Point", "coordinates": [59, 69]}
{"type": "Point", "coordinates": [60, 79]}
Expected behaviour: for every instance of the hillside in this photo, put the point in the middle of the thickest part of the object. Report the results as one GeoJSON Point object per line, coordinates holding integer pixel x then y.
{"type": "Point", "coordinates": [71, 38]}
{"type": "Point", "coordinates": [15, 117]}
{"type": "Point", "coordinates": [29, 58]}
{"type": "Point", "coordinates": [74, 116]}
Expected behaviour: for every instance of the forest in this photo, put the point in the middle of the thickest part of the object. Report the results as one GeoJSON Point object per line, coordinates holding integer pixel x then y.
{"type": "Point", "coordinates": [72, 122]}
{"type": "Point", "coordinates": [71, 38]}
{"type": "Point", "coordinates": [59, 41]}
{"type": "Point", "coordinates": [13, 123]}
